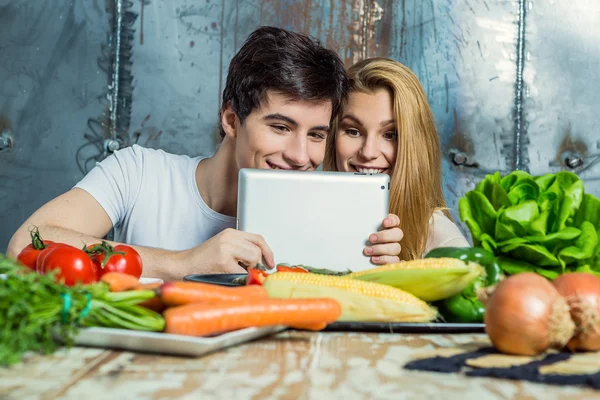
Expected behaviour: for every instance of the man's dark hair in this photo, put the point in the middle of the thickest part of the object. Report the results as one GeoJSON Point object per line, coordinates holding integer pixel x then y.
{"type": "Point", "coordinates": [293, 64]}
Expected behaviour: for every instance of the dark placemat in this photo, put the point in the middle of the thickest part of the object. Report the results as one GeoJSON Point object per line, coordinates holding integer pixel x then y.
{"type": "Point", "coordinates": [525, 372]}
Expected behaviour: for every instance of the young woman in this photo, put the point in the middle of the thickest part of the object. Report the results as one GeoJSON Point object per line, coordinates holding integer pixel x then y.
{"type": "Point", "coordinates": [386, 126]}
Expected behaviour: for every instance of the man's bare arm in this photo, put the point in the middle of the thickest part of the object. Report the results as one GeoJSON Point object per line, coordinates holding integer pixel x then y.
{"type": "Point", "coordinates": [76, 218]}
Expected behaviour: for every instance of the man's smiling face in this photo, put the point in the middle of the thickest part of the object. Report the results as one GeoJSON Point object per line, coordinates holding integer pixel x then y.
{"type": "Point", "coordinates": [282, 134]}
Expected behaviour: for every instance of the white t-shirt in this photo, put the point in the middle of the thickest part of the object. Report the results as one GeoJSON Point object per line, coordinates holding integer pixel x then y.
{"type": "Point", "coordinates": [444, 233]}
{"type": "Point", "coordinates": [152, 199]}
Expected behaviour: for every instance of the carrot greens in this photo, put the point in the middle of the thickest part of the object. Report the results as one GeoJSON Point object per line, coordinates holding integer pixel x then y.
{"type": "Point", "coordinates": [37, 314]}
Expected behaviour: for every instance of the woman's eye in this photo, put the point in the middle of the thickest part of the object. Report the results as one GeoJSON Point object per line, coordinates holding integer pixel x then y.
{"type": "Point", "coordinates": [390, 135]}
{"type": "Point", "coordinates": [352, 132]}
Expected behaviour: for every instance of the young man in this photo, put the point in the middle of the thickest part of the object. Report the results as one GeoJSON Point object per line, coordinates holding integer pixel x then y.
{"type": "Point", "coordinates": [178, 212]}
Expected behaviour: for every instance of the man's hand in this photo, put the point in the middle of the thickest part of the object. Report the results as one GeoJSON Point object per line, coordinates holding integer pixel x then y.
{"type": "Point", "coordinates": [225, 252]}
{"type": "Point", "coordinates": [386, 243]}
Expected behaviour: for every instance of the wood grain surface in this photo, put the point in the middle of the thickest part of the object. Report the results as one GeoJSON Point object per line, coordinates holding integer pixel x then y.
{"type": "Point", "coordinates": [291, 365]}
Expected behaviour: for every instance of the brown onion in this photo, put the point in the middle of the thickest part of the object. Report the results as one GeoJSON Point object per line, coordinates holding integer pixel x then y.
{"type": "Point", "coordinates": [581, 290]}
{"type": "Point", "coordinates": [525, 315]}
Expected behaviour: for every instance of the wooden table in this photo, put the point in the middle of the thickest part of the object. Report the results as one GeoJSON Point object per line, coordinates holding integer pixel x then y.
{"type": "Point", "coordinates": [291, 365]}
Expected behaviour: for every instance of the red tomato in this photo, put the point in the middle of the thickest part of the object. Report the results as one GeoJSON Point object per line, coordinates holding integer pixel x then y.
{"type": "Point", "coordinates": [256, 276]}
{"type": "Point", "coordinates": [43, 253]}
{"type": "Point", "coordinates": [285, 268]}
{"type": "Point", "coordinates": [28, 256]}
{"type": "Point", "coordinates": [129, 262]}
{"type": "Point", "coordinates": [73, 264]}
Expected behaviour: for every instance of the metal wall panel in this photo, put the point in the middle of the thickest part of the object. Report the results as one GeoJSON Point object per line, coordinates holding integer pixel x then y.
{"type": "Point", "coordinates": [463, 53]}
{"type": "Point", "coordinates": [562, 77]}
{"type": "Point", "coordinates": [176, 66]}
{"type": "Point", "coordinates": [49, 87]}
{"type": "Point", "coordinates": [182, 50]}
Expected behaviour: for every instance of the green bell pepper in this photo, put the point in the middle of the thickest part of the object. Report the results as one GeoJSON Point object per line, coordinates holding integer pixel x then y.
{"type": "Point", "coordinates": [475, 254]}
{"type": "Point", "coordinates": [466, 306]}
{"type": "Point", "coordinates": [459, 308]}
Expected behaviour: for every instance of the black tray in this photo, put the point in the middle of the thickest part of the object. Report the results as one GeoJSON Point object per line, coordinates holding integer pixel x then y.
{"type": "Point", "coordinates": [216, 279]}
{"type": "Point", "coordinates": [380, 327]}
{"type": "Point", "coordinates": [405, 327]}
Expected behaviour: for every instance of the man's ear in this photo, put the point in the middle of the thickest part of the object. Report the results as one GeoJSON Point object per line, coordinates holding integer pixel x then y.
{"type": "Point", "coordinates": [229, 120]}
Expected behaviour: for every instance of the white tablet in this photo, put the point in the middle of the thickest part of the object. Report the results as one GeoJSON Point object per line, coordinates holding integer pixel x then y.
{"type": "Point", "coordinates": [315, 218]}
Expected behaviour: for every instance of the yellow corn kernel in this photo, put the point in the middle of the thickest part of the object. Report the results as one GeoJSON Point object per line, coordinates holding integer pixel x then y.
{"type": "Point", "coordinates": [429, 279]}
{"type": "Point", "coordinates": [419, 264]}
{"type": "Point", "coordinates": [360, 301]}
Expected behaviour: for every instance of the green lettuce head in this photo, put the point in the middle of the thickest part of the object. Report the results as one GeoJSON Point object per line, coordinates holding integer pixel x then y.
{"type": "Point", "coordinates": [546, 224]}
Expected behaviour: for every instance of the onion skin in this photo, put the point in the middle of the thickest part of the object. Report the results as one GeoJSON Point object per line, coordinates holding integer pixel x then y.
{"type": "Point", "coordinates": [582, 291]}
{"type": "Point", "coordinates": [525, 315]}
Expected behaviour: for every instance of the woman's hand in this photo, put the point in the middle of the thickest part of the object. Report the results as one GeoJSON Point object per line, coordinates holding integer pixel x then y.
{"type": "Point", "coordinates": [385, 244]}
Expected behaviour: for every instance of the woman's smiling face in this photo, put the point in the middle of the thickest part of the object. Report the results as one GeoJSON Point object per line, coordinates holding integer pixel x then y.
{"type": "Point", "coordinates": [366, 140]}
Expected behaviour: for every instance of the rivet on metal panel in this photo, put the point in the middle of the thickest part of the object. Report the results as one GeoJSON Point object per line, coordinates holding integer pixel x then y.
{"type": "Point", "coordinates": [7, 140]}
{"type": "Point", "coordinates": [573, 154]}
{"type": "Point", "coordinates": [460, 158]}
{"type": "Point", "coordinates": [569, 159]}
{"type": "Point", "coordinates": [112, 145]}
{"type": "Point", "coordinates": [574, 161]}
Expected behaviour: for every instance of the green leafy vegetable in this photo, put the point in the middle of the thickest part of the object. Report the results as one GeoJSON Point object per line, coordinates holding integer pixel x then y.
{"type": "Point", "coordinates": [545, 224]}
{"type": "Point", "coordinates": [37, 314]}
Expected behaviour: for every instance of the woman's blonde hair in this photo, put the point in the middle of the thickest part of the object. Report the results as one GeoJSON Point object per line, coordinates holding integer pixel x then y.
{"type": "Point", "coordinates": [416, 181]}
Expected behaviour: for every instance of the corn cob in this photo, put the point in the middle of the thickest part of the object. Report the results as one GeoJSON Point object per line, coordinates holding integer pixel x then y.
{"type": "Point", "coordinates": [360, 301]}
{"type": "Point", "coordinates": [429, 279]}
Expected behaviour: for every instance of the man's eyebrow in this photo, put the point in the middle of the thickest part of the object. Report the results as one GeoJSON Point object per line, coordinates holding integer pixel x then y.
{"type": "Point", "coordinates": [324, 128]}
{"type": "Point", "coordinates": [281, 117]}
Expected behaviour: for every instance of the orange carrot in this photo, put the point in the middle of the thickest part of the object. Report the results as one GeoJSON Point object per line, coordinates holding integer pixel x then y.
{"type": "Point", "coordinates": [209, 319]}
{"type": "Point", "coordinates": [119, 282]}
{"type": "Point", "coordinates": [310, 327]}
{"type": "Point", "coordinates": [180, 293]}
{"type": "Point", "coordinates": [155, 303]}
{"type": "Point", "coordinates": [148, 286]}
